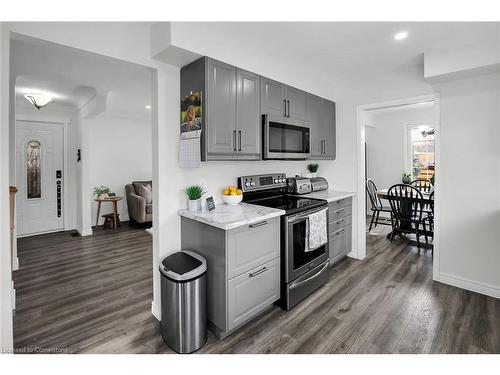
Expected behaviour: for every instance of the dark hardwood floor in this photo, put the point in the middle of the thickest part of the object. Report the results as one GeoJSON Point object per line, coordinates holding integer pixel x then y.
{"type": "Point", "coordinates": [92, 295]}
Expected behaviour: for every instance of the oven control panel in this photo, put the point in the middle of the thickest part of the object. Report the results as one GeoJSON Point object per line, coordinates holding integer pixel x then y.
{"type": "Point", "coordinates": [262, 182]}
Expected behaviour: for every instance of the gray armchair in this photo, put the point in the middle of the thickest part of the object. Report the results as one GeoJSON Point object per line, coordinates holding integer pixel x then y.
{"type": "Point", "coordinates": [138, 209]}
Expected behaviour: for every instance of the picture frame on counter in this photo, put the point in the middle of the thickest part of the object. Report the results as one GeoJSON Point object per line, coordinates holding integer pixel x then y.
{"type": "Point", "coordinates": [210, 204]}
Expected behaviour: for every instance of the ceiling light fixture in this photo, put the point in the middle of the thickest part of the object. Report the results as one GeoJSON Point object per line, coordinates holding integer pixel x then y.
{"type": "Point", "coordinates": [148, 107]}
{"type": "Point", "coordinates": [39, 100]}
{"type": "Point", "coordinates": [401, 35]}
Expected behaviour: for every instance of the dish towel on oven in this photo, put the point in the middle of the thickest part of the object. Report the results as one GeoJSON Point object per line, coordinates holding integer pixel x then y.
{"type": "Point", "coordinates": [316, 230]}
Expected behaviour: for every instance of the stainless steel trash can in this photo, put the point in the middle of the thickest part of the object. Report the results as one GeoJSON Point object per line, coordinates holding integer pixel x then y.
{"type": "Point", "coordinates": [184, 301]}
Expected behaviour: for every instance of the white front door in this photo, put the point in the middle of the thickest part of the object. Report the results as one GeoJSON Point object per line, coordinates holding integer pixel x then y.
{"type": "Point", "coordinates": [39, 177]}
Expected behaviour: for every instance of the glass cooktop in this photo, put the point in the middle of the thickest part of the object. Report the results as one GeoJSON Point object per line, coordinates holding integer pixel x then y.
{"type": "Point", "coordinates": [290, 203]}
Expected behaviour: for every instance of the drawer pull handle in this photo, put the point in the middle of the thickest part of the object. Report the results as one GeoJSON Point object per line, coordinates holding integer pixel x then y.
{"type": "Point", "coordinates": [253, 274]}
{"type": "Point", "coordinates": [340, 221]}
{"type": "Point", "coordinates": [256, 225]}
{"type": "Point", "coordinates": [341, 211]}
{"type": "Point", "coordinates": [340, 201]}
{"type": "Point", "coordinates": [340, 232]}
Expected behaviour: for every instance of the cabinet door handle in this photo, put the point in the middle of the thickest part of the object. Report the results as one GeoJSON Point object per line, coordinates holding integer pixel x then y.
{"type": "Point", "coordinates": [253, 274]}
{"type": "Point", "coordinates": [288, 102]}
{"type": "Point", "coordinates": [324, 148]}
{"type": "Point", "coordinates": [239, 140]}
{"type": "Point", "coordinates": [234, 140]}
{"type": "Point", "coordinates": [256, 225]}
{"type": "Point", "coordinates": [284, 107]}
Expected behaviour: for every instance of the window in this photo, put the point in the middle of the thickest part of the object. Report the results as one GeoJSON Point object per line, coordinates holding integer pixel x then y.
{"type": "Point", "coordinates": [421, 151]}
{"type": "Point", "coordinates": [33, 170]}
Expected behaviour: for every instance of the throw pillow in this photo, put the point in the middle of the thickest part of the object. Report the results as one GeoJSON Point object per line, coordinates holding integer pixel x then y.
{"type": "Point", "coordinates": [146, 193]}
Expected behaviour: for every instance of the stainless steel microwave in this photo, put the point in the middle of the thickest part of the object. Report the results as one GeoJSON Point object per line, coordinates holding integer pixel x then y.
{"type": "Point", "coordinates": [284, 138]}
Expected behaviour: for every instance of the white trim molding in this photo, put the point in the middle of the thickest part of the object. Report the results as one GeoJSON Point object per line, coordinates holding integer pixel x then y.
{"type": "Point", "coordinates": [467, 284]}
{"type": "Point", "coordinates": [156, 310]}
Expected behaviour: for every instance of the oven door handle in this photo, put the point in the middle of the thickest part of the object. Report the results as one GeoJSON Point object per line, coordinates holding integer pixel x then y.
{"type": "Point", "coordinates": [305, 216]}
{"type": "Point", "coordinates": [302, 282]}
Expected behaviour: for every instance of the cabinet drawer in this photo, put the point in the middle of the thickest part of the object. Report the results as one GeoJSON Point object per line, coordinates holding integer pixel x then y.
{"type": "Point", "coordinates": [340, 243]}
{"type": "Point", "coordinates": [252, 245]}
{"type": "Point", "coordinates": [335, 225]}
{"type": "Point", "coordinates": [335, 205]}
{"type": "Point", "coordinates": [252, 292]}
{"type": "Point", "coordinates": [339, 213]}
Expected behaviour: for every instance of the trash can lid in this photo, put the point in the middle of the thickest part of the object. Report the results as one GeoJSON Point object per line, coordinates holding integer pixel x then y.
{"type": "Point", "coordinates": [183, 266]}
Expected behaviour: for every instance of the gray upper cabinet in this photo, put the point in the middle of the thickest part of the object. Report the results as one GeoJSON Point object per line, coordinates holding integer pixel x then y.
{"type": "Point", "coordinates": [272, 97]}
{"type": "Point", "coordinates": [248, 114]}
{"type": "Point", "coordinates": [233, 101]}
{"type": "Point", "coordinates": [222, 108]}
{"type": "Point", "coordinates": [295, 103]}
{"type": "Point", "coordinates": [320, 116]}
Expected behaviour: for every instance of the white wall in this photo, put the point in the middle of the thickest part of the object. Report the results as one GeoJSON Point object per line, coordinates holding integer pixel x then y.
{"type": "Point", "coordinates": [469, 181]}
{"type": "Point", "coordinates": [385, 143]}
{"type": "Point", "coordinates": [119, 152]}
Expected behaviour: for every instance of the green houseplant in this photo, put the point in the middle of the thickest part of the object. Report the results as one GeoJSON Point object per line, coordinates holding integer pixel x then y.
{"type": "Point", "coordinates": [101, 191]}
{"type": "Point", "coordinates": [406, 178]}
{"type": "Point", "coordinates": [313, 168]}
{"type": "Point", "coordinates": [194, 193]}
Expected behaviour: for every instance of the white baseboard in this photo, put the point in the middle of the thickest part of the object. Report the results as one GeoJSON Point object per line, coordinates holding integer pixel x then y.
{"type": "Point", "coordinates": [474, 286]}
{"type": "Point", "coordinates": [13, 296]}
{"type": "Point", "coordinates": [354, 254]}
{"type": "Point", "coordinates": [156, 310]}
{"type": "Point", "coordinates": [85, 232]}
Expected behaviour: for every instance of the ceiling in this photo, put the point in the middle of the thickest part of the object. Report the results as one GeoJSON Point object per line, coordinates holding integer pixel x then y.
{"type": "Point", "coordinates": [343, 53]}
{"type": "Point", "coordinates": [73, 77]}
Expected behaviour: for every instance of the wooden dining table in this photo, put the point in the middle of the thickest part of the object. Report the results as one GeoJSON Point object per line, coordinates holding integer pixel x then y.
{"type": "Point", "coordinates": [427, 201]}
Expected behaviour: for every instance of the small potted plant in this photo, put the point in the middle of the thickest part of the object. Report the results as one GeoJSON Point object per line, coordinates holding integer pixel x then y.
{"type": "Point", "coordinates": [194, 193]}
{"type": "Point", "coordinates": [101, 192]}
{"type": "Point", "coordinates": [312, 168]}
{"type": "Point", "coordinates": [406, 178]}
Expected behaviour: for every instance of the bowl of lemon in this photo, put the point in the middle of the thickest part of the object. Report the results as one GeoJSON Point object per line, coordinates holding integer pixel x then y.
{"type": "Point", "coordinates": [232, 195]}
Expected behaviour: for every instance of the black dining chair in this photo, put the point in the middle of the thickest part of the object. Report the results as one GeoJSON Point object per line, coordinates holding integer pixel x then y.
{"type": "Point", "coordinates": [430, 214]}
{"type": "Point", "coordinates": [422, 184]}
{"type": "Point", "coordinates": [407, 211]}
{"type": "Point", "coordinates": [376, 204]}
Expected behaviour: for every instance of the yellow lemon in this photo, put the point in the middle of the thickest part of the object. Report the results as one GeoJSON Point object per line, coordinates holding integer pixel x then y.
{"type": "Point", "coordinates": [233, 193]}
{"type": "Point", "coordinates": [239, 192]}
{"type": "Point", "coordinates": [226, 192]}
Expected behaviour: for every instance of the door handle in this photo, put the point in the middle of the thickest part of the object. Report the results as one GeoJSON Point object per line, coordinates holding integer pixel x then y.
{"type": "Point", "coordinates": [239, 140]}
{"type": "Point", "coordinates": [284, 107]}
{"type": "Point", "coordinates": [256, 225]}
{"type": "Point", "coordinates": [234, 140]}
{"type": "Point", "coordinates": [299, 283]}
{"type": "Point", "coordinates": [253, 274]}
{"type": "Point", "coordinates": [324, 148]}
{"type": "Point", "coordinates": [288, 102]}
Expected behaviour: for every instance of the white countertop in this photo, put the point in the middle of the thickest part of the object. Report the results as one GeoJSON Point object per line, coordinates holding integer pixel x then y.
{"type": "Point", "coordinates": [228, 217]}
{"type": "Point", "coordinates": [330, 195]}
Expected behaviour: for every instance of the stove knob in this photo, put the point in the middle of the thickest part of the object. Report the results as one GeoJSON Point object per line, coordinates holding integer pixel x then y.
{"type": "Point", "coordinates": [252, 183]}
{"type": "Point", "coordinates": [282, 180]}
{"type": "Point", "coordinates": [275, 180]}
{"type": "Point", "coordinates": [247, 184]}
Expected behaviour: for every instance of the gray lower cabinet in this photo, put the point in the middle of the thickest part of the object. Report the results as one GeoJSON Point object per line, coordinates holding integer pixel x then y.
{"type": "Point", "coordinates": [339, 229]}
{"type": "Point", "coordinates": [320, 116]}
{"type": "Point", "coordinates": [243, 269]}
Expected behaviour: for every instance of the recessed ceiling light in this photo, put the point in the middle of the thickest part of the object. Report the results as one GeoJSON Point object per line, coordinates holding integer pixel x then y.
{"type": "Point", "coordinates": [401, 35]}
{"type": "Point", "coordinates": [148, 107]}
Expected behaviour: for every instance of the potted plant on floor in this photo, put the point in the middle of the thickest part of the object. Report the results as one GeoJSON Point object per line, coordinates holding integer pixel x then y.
{"type": "Point", "coordinates": [194, 193]}
{"type": "Point", "coordinates": [406, 178]}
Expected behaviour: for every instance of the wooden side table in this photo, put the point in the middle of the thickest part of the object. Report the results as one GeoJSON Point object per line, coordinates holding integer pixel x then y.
{"type": "Point", "coordinates": [113, 200]}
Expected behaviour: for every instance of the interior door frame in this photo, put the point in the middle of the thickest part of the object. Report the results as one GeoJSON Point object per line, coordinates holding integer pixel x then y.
{"type": "Point", "coordinates": [360, 252]}
{"type": "Point", "coordinates": [65, 123]}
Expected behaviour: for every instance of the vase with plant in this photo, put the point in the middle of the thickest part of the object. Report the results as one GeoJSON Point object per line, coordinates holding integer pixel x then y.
{"type": "Point", "coordinates": [194, 193]}
{"type": "Point", "coordinates": [101, 192]}
{"type": "Point", "coordinates": [312, 168]}
{"type": "Point", "coordinates": [406, 178]}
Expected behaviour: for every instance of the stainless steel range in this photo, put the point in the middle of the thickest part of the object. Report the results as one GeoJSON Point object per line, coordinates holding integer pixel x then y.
{"type": "Point", "coordinates": [302, 271]}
